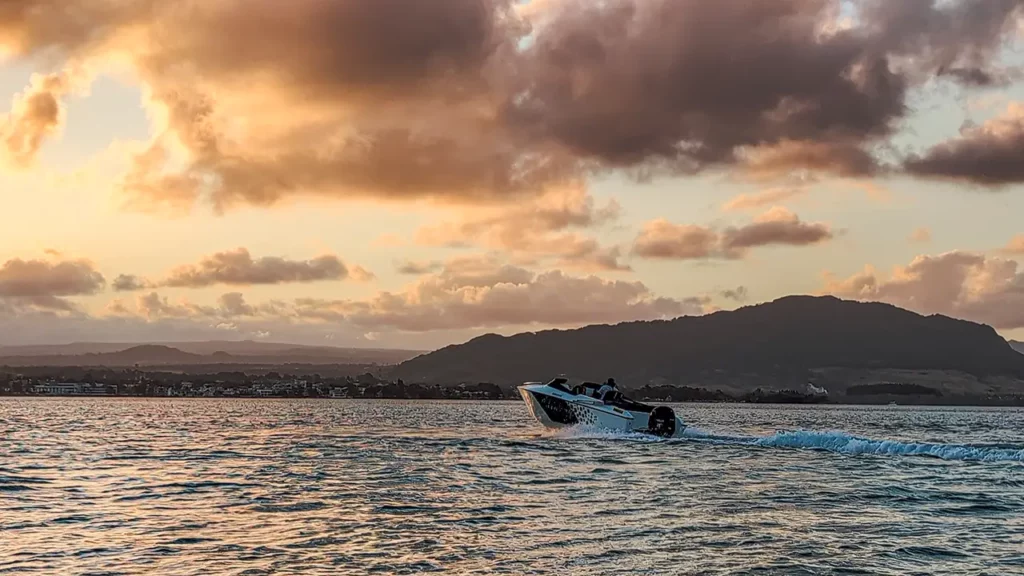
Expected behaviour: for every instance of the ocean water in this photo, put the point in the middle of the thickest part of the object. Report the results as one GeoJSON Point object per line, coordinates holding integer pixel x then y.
{"type": "Point", "coordinates": [211, 486]}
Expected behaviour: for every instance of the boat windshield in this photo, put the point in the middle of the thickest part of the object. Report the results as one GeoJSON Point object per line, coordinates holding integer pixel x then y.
{"type": "Point", "coordinates": [559, 384]}
{"type": "Point", "coordinates": [586, 389]}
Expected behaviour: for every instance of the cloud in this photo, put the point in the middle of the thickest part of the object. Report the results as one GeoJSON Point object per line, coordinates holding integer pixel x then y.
{"type": "Point", "coordinates": [483, 101]}
{"type": "Point", "coordinates": [360, 274]}
{"type": "Point", "coordinates": [44, 285]}
{"type": "Point", "coordinates": [844, 158]}
{"type": "Point", "coordinates": [36, 114]}
{"type": "Point", "coordinates": [629, 82]}
{"type": "Point", "coordinates": [414, 268]}
{"type": "Point", "coordinates": [920, 236]}
{"type": "Point", "coordinates": [477, 295]}
{"type": "Point", "coordinates": [1015, 246]}
{"type": "Point", "coordinates": [661, 239]}
{"type": "Point", "coordinates": [468, 293]}
{"type": "Point", "coordinates": [777, 226]}
{"type": "Point", "coordinates": [238, 267]}
{"type": "Point", "coordinates": [229, 307]}
{"type": "Point", "coordinates": [769, 197]}
{"type": "Point", "coordinates": [739, 294]}
{"type": "Point", "coordinates": [129, 283]}
{"type": "Point", "coordinates": [153, 306]}
{"type": "Point", "coordinates": [959, 284]}
{"type": "Point", "coordinates": [988, 155]}
{"type": "Point", "coordinates": [538, 232]}
{"type": "Point", "coordinates": [343, 99]}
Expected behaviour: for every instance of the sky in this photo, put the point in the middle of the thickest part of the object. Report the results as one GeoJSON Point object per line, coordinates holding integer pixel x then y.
{"type": "Point", "coordinates": [413, 174]}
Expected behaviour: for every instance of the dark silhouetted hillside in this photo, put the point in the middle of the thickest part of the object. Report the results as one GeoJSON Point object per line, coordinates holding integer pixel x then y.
{"type": "Point", "coordinates": [782, 341]}
{"type": "Point", "coordinates": [147, 354]}
{"type": "Point", "coordinates": [1018, 346]}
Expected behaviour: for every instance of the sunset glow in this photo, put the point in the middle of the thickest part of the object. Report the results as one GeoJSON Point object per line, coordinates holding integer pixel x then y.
{"type": "Point", "coordinates": [412, 174]}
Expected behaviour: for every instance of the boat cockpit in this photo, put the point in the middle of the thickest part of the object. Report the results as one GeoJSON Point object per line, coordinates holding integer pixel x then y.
{"type": "Point", "coordinates": [592, 390]}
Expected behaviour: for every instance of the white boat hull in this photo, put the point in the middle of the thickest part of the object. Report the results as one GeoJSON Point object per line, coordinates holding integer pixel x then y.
{"type": "Point", "coordinates": [555, 408]}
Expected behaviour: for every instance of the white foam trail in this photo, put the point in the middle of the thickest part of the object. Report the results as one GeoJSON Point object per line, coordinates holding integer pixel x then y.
{"type": "Point", "coordinates": [699, 434]}
{"type": "Point", "coordinates": [590, 432]}
{"type": "Point", "coordinates": [843, 443]}
{"type": "Point", "coordinates": [825, 441]}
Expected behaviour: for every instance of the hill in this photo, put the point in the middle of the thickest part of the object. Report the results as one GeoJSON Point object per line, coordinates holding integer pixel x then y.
{"type": "Point", "coordinates": [194, 354]}
{"type": "Point", "coordinates": [1018, 346]}
{"type": "Point", "coordinates": [781, 343]}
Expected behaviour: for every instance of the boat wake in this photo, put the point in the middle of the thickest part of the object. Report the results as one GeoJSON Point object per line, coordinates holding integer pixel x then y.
{"type": "Point", "coordinates": [592, 433]}
{"type": "Point", "coordinates": [826, 441]}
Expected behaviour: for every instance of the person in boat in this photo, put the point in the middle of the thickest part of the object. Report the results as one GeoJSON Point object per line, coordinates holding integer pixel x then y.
{"type": "Point", "coordinates": [605, 388]}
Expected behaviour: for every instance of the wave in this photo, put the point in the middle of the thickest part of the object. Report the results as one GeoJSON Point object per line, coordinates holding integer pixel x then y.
{"type": "Point", "coordinates": [826, 441]}
{"type": "Point", "coordinates": [842, 443]}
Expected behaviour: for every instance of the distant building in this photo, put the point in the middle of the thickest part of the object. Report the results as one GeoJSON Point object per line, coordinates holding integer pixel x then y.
{"type": "Point", "coordinates": [57, 388]}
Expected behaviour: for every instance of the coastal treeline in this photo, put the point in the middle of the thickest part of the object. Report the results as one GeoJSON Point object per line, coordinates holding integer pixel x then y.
{"type": "Point", "coordinates": [78, 381]}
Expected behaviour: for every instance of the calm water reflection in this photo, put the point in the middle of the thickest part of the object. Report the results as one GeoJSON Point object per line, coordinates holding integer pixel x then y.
{"type": "Point", "coordinates": [345, 487]}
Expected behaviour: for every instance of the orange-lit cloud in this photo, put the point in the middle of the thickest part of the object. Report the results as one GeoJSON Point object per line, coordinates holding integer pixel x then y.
{"type": "Point", "coordinates": [468, 293]}
{"type": "Point", "coordinates": [481, 296]}
{"type": "Point", "coordinates": [538, 231]}
{"type": "Point", "coordinates": [841, 158]}
{"type": "Point", "coordinates": [36, 114]}
{"type": "Point", "coordinates": [1015, 246]}
{"type": "Point", "coordinates": [770, 197]}
{"type": "Point", "coordinates": [483, 101]}
{"type": "Point", "coordinates": [920, 236]}
{"type": "Point", "coordinates": [960, 284]}
{"type": "Point", "coordinates": [663, 239]}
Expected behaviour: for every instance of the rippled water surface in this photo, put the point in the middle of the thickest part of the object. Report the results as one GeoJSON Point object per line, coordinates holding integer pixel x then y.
{"type": "Point", "coordinates": [130, 486]}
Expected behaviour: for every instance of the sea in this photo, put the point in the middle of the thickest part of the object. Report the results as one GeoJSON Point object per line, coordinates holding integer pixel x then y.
{"type": "Point", "coordinates": [236, 486]}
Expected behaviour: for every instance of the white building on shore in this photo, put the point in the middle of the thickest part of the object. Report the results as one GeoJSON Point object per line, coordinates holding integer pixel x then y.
{"type": "Point", "coordinates": [58, 388]}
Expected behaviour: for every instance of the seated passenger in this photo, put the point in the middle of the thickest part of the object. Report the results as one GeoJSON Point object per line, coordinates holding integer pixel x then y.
{"type": "Point", "coordinates": [607, 387]}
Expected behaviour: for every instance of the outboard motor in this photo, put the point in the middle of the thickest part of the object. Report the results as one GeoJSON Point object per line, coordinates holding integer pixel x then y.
{"type": "Point", "coordinates": [662, 422]}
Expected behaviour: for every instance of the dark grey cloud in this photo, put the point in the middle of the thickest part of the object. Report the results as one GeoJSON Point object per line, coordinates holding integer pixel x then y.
{"type": "Point", "coordinates": [989, 155]}
{"type": "Point", "coordinates": [738, 294]}
{"type": "Point", "coordinates": [776, 227]}
{"type": "Point", "coordinates": [661, 239]}
{"type": "Point", "coordinates": [414, 268]}
{"type": "Point", "coordinates": [687, 84]}
{"type": "Point", "coordinates": [129, 283]}
{"type": "Point", "coordinates": [45, 284]}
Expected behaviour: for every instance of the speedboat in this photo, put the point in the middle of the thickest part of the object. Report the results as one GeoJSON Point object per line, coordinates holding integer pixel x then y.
{"type": "Point", "coordinates": [554, 405]}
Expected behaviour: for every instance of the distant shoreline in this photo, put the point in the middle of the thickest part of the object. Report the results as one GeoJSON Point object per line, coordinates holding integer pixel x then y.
{"type": "Point", "coordinates": [951, 403]}
{"type": "Point", "coordinates": [825, 388]}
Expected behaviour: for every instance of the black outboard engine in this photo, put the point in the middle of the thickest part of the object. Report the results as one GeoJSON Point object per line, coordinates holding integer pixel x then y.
{"type": "Point", "coordinates": [662, 422]}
